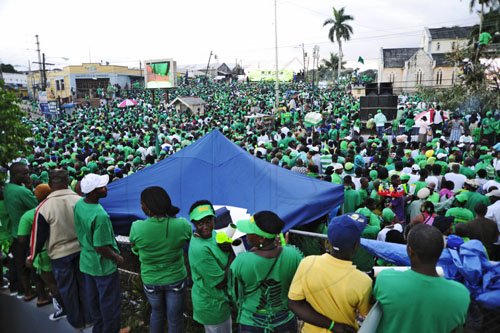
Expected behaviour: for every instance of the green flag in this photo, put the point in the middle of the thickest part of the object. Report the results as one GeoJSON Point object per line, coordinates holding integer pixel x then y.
{"type": "Point", "coordinates": [158, 147]}
{"type": "Point", "coordinates": [361, 60]}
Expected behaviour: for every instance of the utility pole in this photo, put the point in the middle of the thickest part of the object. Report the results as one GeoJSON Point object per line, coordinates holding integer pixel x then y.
{"type": "Point", "coordinates": [39, 59]}
{"type": "Point", "coordinates": [304, 55]}
{"type": "Point", "coordinates": [140, 70]}
{"type": "Point", "coordinates": [43, 72]}
{"type": "Point", "coordinates": [208, 65]}
{"type": "Point", "coordinates": [276, 86]}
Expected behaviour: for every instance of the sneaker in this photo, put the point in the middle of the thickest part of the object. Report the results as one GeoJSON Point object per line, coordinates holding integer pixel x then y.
{"type": "Point", "coordinates": [57, 315]}
{"type": "Point", "coordinates": [13, 293]}
{"type": "Point", "coordinates": [20, 296]}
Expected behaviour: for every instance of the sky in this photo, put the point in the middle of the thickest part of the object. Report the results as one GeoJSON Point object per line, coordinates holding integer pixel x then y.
{"type": "Point", "coordinates": [127, 31]}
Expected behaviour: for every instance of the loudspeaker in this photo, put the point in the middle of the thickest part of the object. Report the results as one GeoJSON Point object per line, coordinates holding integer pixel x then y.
{"type": "Point", "coordinates": [371, 89]}
{"type": "Point", "coordinates": [385, 88]}
{"type": "Point", "coordinates": [388, 101]}
{"type": "Point", "coordinates": [368, 101]}
{"type": "Point", "coordinates": [370, 104]}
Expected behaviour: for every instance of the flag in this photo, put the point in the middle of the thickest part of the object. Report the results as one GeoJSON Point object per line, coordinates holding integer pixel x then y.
{"type": "Point", "coordinates": [158, 147]}
{"type": "Point", "coordinates": [361, 60]}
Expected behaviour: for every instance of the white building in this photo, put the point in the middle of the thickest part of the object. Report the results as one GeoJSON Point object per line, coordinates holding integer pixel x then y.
{"type": "Point", "coordinates": [427, 65]}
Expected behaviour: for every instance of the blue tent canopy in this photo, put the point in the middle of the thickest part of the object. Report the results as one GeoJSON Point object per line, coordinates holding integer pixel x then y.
{"type": "Point", "coordinates": [216, 169]}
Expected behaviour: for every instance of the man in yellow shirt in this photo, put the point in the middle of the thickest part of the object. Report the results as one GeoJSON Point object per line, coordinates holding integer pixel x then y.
{"type": "Point", "coordinates": [327, 291]}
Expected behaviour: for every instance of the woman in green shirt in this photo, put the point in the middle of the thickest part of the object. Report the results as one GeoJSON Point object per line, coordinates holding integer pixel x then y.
{"type": "Point", "coordinates": [260, 279]}
{"type": "Point", "coordinates": [159, 241]}
{"type": "Point", "coordinates": [208, 264]}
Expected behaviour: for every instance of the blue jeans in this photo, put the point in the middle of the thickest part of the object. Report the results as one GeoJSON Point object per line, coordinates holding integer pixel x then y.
{"type": "Point", "coordinates": [380, 131]}
{"type": "Point", "coordinates": [166, 301]}
{"type": "Point", "coordinates": [290, 327]}
{"type": "Point", "coordinates": [103, 294]}
{"type": "Point", "coordinates": [70, 283]}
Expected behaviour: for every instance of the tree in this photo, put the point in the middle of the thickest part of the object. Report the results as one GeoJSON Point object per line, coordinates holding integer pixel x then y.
{"type": "Point", "coordinates": [7, 68]}
{"type": "Point", "coordinates": [339, 31]}
{"type": "Point", "coordinates": [333, 62]}
{"type": "Point", "coordinates": [12, 130]}
{"type": "Point", "coordinates": [492, 4]}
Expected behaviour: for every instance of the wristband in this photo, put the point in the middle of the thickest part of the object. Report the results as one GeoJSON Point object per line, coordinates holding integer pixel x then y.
{"type": "Point", "coordinates": [331, 326]}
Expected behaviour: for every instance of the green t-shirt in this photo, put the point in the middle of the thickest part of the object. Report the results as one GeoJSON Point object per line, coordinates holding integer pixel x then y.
{"type": "Point", "coordinates": [18, 199]}
{"type": "Point", "coordinates": [437, 304]}
{"type": "Point", "coordinates": [336, 179]}
{"type": "Point", "coordinates": [260, 301]}
{"type": "Point", "coordinates": [352, 200]}
{"type": "Point", "coordinates": [4, 223]}
{"type": "Point", "coordinates": [42, 260]}
{"type": "Point", "coordinates": [467, 172]}
{"type": "Point", "coordinates": [475, 198]}
{"type": "Point", "coordinates": [159, 242]}
{"type": "Point", "coordinates": [25, 223]}
{"type": "Point", "coordinates": [93, 229]}
{"type": "Point", "coordinates": [419, 185]}
{"type": "Point", "coordinates": [460, 214]}
{"type": "Point", "coordinates": [208, 269]}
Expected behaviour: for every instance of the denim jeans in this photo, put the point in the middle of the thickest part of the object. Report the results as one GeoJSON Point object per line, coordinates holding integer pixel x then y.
{"type": "Point", "coordinates": [166, 301]}
{"type": "Point", "coordinates": [103, 295]}
{"type": "Point", "coordinates": [70, 283]}
{"type": "Point", "coordinates": [290, 327]}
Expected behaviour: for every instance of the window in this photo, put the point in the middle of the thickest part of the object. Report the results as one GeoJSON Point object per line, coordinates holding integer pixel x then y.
{"type": "Point", "coordinates": [57, 85]}
{"type": "Point", "coordinates": [438, 46]}
{"type": "Point", "coordinates": [453, 45]}
{"type": "Point", "coordinates": [62, 84]}
{"type": "Point", "coordinates": [419, 76]}
{"type": "Point", "coordinates": [439, 77]}
{"type": "Point", "coordinates": [392, 77]}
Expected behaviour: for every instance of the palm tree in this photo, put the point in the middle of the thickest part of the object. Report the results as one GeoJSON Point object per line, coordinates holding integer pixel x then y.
{"type": "Point", "coordinates": [339, 30]}
{"type": "Point", "coordinates": [333, 62]}
{"type": "Point", "coordinates": [492, 4]}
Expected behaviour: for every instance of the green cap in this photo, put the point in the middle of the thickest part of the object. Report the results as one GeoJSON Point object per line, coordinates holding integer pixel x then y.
{"type": "Point", "coordinates": [405, 176]}
{"type": "Point", "coordinates": [388, 215]}
{"type": "Point", "coordinates": [250, 227]}
{"type": "Point", "coordinates": [461, 198]}
{"type": "Point", "coordinates": [200, 212]}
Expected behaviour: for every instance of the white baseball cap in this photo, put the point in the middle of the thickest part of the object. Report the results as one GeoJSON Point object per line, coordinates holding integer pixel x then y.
{"type": "Point", "coordinates": [92, 181]}
{"type": "Point", "coordinates": [415, 167]}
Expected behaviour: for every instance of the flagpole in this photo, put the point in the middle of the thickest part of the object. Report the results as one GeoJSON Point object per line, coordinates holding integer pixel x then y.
{"type": "Point", "coordinates": [276, 85]}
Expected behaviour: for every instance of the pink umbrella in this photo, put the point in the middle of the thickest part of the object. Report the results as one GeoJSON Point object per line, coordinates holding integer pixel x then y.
{"type": "Point", "coordinates": [127, 102]}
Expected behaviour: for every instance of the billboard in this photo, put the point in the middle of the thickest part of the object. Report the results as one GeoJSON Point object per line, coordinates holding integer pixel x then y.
{"type": "Point", "coordinates": [161, 73]}
{"type": "Point", "coordinates": [284, 75]}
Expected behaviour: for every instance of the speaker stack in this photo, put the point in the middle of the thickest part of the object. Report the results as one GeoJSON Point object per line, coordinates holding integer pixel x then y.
{"type": "Point", "coordinates": [378, 96]}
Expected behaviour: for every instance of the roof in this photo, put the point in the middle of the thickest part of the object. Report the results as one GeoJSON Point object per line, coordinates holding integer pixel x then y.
{"type": "Point", "coordinates": [451, 33]}
{"type": "Point", "coordinates": [395, 58]}
{"type": "Point", "coordinates": [442, 60]}
{"type": "Point", "coordinates": [188, 101]}
{"type": "Point", "coordinates": [224, 69]}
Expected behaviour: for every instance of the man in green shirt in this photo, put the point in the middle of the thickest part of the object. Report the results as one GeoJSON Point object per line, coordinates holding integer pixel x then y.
{"type": "Point", "coordinates": [208, 263]}
{"type": "Point", "coordinates": [459, 212]}
{"type": "Point", "coordinates": [437, 304]}
{"type": "Point", "coordinates": [99, 255]}
{"type": "Point", "coordinates": [18, 200]}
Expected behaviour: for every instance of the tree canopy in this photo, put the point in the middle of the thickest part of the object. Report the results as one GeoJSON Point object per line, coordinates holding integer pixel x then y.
{"type": "Point", "coordinates": [12, 130]}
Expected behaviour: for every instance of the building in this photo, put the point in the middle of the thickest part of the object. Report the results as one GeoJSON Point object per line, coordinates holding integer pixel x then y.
{"type": "Point", "coordinates": [17, 82]}
{"type": "Point", "coordinates": [194, 105]}
{"type": "Point", "coordinates": [427, 65]}
{"type": "Point", "coordinates": [82, 81]}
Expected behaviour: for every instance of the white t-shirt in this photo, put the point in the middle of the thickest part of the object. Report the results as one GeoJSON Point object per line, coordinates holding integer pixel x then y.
{"type": "Point", "coordinates": [493, 213]}
{"type": "Point", "coordinates": [383, 233]}
{"type": "Point", "coordinates": [433, 179]}
{"type": "Point", "coordinates": [457, 179]}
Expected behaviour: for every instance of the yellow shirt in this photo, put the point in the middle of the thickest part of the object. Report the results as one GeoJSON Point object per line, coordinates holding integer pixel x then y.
{"type": "Point", "coordinates": [334, 288]}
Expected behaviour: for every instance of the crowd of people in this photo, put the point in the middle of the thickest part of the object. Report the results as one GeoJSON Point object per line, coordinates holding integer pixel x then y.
{"type": "Point", "coordinates": [416, 182]}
